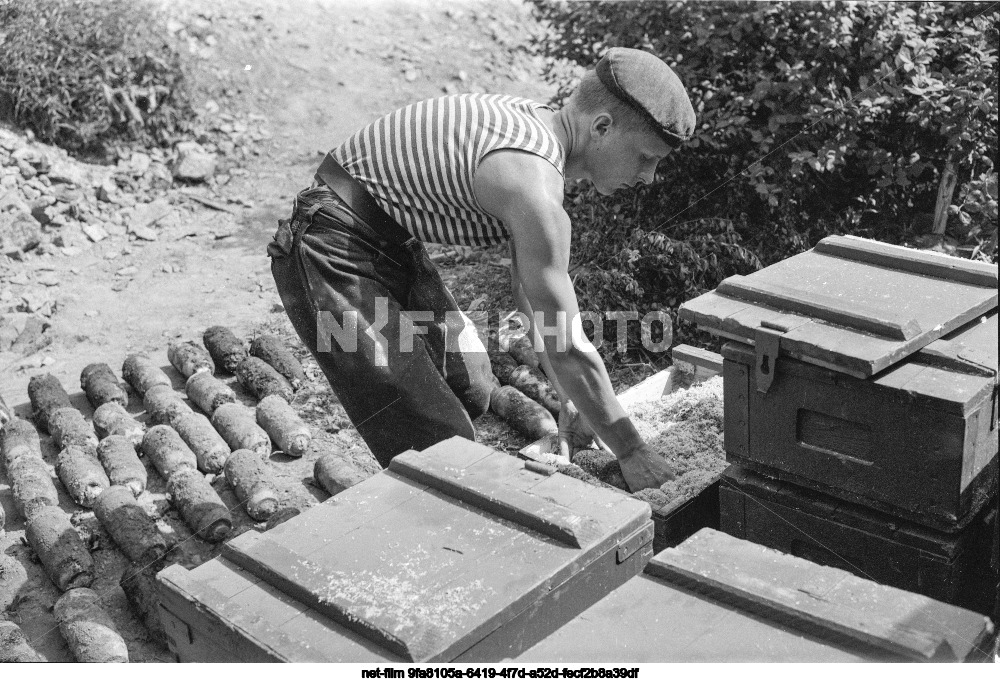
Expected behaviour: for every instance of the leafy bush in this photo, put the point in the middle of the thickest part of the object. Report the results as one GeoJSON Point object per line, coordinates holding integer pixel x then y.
{"type": "Point", "coordinates": [813, 119]}
{"type": "Point", "coordinates": [86, 73]}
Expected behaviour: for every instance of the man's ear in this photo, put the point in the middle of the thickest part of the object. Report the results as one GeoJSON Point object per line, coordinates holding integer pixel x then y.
{"type": "Point", "coordinates": [601, 125]}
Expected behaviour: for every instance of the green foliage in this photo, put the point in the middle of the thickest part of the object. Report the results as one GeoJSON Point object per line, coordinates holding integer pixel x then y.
{"type": "Point", "coordinates": [813, 119]}
{"type": "Point", "coordinates": [84, 74]}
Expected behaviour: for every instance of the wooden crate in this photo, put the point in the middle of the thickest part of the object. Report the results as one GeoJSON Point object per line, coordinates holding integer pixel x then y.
{"type": "Point", "coordinates": [955, 568]}
{"type": "Point", "coordinates": [867, 371]}
{"type": "Point", "coordinates": [716, 598]}
{"type": "Point", "coordinates": [454, 553]}
{"type": "Point", "coordinates": [917, 441]}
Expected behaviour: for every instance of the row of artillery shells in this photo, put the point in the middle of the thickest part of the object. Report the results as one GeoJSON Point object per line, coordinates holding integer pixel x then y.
{"type": "Point", "coordinates": [101, 385]}
{"type": "Point", "coordinates": [142, 374]}
{"type": "Point", "coordinates": [239, 428]}
{"type": "Point", "coordinates": [47, 396]}
{"type": "Point", "coordinates": [208, 393]}
{"type": "Point", "coordinates": [130, 527]}
{"type": "Point", "coordinates": [283, 425]}
{"type": "Point", "coordinates": [87, 628]}
{"type": "Point", "coordinates": [81, 472]}
{"type": "Point", "coordinates": [189, 358]}
{"type": "Point", "coordinates": [111, 419]}
{"type": "Point", "coordinates": [226, 350]}
{"type": "Point", "coordinates": [69, 427]}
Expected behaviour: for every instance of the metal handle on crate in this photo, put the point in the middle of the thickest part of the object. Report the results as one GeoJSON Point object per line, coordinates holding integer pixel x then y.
{"type": "Point", "coordinates": [767, 343]}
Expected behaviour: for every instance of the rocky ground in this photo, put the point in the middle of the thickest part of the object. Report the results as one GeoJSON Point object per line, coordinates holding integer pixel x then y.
{"type": "Point", "coordinates": [100, 261]}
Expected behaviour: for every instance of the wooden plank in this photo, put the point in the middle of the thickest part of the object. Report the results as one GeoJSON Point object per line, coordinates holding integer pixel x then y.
{"type": "Point", "coordinates": [822, 306]}
{"type": "Point", "coordinates": [564, 602]}
{"type": "Point", "coordinates": [259, 623]}
{"type": "Point", "coordinates": [699, 357]}
{"type": "Point", "coordinates": [304, 581]}
{"type": "Point", "coordinates": [421, 579]}
{"type": "Point", "coordinates": [971, 349]}
{"type": "Point", "coordinates": [948, 567]}
{"type": "Point", "coordinates": [328, 522]}
{"type": "Point", "coordinates": [652, 387]}
{"type": "Point", "coordinates": [680, 518]}
{"type": "Point", "coordinates": [648, 620]}
{"type": "Point", "coordinates": [910, 260]}
{"type": "Point", "coordinates": [184, 615]}
{"type": "Point", "coordinates": [706, 310]}
{"type": "Point", "coordinates": [492, 494]}
{"type": "Point", "coordinates": [777, 585]}
{"type": "Point", "coordinates": [938, 306]}
{"type": "Point", "coordinates": [736, 415]}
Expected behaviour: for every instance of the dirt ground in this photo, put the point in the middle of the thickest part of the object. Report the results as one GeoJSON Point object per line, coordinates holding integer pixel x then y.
{"type": "Point", "coordinates": [310, 77]}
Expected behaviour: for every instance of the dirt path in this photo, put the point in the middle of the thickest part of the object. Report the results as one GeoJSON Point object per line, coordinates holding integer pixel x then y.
{"type": "Point", "coordinates": [315, 75]}
{"type": "Point", "coordinates": [310, 77]}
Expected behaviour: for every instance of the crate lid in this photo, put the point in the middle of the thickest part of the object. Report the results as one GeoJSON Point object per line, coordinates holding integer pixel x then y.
{"type": "Point", "coordinates": [855, 305]}
{"type": "Point", "coordinates": [449, 544]}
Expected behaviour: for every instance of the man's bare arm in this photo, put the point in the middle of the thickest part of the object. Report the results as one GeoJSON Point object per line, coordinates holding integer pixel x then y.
{"type": "Point", "coordinates": [525, 307]}
{"type": "Point", "coordinates": [525, 192]}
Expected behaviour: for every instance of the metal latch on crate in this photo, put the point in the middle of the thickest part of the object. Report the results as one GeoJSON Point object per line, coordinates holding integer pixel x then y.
{"type": "Point", "coordinates": [634, 542]}
{"type": "Point", "coordinates": [767, 343]}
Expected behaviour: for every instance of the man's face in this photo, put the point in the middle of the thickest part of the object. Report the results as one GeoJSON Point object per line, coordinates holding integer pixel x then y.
{"type": "Point", "coordinates": [623, 156]}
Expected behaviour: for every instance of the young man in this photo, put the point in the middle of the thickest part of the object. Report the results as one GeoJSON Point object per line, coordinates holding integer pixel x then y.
{"type": "Point", "coordinates": [470, 170]}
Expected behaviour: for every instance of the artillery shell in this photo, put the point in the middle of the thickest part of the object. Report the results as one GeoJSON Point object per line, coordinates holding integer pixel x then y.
{"type": "Point", "coordinates": [336, 474]}
{"type": "Point", "coordinates": [167, 451]}
{"type": "Point", "coordinates": [14, 647]}
{"type": "Point", "coordinates": [189, 358]}
{"type": "Point", "coordinates": [227, 350]}
{"type": "Point", "coordinates": [502, 364]}
{"type": "Point", "coordinates": [238, 426]}
{"type": "Point", "coordinates": [18, 438]}
{"type": "Point", "coordinates": [68, 427]}
{"type": "Point", "coordinates": [87, 628]}
{"type": "Point", "coordinates": [533, 384]}
{"type": "Point", "coordinates": [101, 385]}
{"type": "Point", "coordinates": [82, 474]}
{"type": "Point", "coordinates": [128, 524]}
{"type": "Point", "coordinates": [523, 351]}
{"type": "Point", "coordinates": [200, 506]}
{"type": "Point", "coordinates": [142, 592]}
{"type": "Point", "coordinates": [207, 392]}
{"type": "Point", "coordinates": [111, 419]}
{"type": "Point", "coordinates": [162, 404]}
{"type": "Point", "coordinates": [63, 554]}
{"type": "Point", "coordinates": [262, 380]}
{"type": "Point", "coordinates": [31, 485]}
{"type": "Point", "coordinates": [47, 395]}
{"type": "Point", "coordinates": [253, 481]}
{"type": "Point", "coordinates": [142, 374]}
{"type": "Point", "coordinates": [121, 463]}
{"type": "Point", "coordinates": [204, 441]}
{"type": "Point", "coordinates": [271, 350]}
{"type": "Point", "coordinates": [290, 434]}
{"type": "Point", "coordinates": [523, 413]}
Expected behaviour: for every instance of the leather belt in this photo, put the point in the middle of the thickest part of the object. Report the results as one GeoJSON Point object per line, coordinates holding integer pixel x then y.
{"type": "Point", "coordinates": [333, 175]}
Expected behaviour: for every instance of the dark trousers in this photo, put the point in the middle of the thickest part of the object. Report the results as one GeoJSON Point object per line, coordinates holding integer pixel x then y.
{"type": "Point", "coordinates": [327, 261]}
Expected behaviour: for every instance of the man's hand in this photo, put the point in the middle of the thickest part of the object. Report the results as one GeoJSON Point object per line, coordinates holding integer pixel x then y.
{"type": "Point", "coordinates": [643, 468]}
{"type": "Point", "coordinates": [574, 432]}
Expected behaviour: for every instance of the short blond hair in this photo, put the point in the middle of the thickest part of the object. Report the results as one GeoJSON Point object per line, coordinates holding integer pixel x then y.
{"type": "Point", "coordinates": [591, 97]}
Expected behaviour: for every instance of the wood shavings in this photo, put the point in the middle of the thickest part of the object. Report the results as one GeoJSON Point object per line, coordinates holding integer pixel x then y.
{"type": "Point", "coordinates": [686, 427]}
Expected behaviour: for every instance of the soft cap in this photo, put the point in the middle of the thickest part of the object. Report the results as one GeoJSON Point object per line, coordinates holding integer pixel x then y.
{"type": "Point", "coordinates": [645, 83]}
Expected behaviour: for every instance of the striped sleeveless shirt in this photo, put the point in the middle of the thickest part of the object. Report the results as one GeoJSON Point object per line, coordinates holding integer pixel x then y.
{"type": "Point", "coordinates": [419, 162]}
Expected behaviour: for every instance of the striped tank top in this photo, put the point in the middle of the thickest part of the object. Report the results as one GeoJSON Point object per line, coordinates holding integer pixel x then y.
{"type": "Point", "coordinates": [419, 162]}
